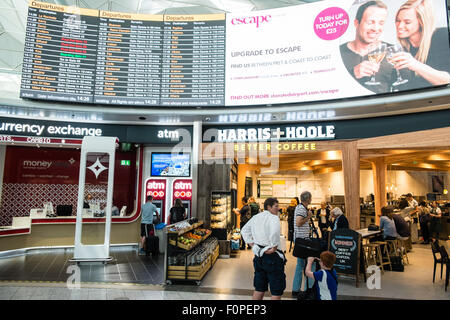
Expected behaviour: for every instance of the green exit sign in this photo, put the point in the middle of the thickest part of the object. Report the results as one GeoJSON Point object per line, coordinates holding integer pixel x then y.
{"type": "Point", "coordinates": [125, 162]}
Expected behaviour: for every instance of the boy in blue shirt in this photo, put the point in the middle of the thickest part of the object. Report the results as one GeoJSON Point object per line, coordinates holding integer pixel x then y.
{"type": "Point", "coordinates": [326, 277]}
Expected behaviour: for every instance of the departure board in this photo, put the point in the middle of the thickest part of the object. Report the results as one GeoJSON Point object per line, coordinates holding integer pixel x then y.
{"type": "Point", "coordinates": [114, 58]}
{"type": "Point", "coordinates": [129, 59]}
{"type": "Point", "coordinates": [60, 53]}
{"type": "Point", "coordinates": [193, 67]}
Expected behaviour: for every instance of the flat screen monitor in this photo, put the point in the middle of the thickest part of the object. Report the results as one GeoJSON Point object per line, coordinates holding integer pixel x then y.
{"type": "Point", "coordinates": [438, 184]}
{"type": "Point", "coordinates": [64, 210]}
{"type": "Point", "coordinates": [171, 165]}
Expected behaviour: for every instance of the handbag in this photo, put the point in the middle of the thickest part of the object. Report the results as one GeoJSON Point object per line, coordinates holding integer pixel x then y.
{"type": "Point", "coordinates": [373, 227]}
{"type": "Point", "coordinates": [311, 247]}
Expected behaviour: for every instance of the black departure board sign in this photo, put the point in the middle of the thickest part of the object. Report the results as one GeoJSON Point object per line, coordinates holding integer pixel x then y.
{"type": "Point", "coordinates": [129, 59]}
{"type": "Point", "coordinates": [193, 68]}
{"type": "Point", "coordinates": [60, 53]}
{"type": "Point", "coordinates": [113, 58]}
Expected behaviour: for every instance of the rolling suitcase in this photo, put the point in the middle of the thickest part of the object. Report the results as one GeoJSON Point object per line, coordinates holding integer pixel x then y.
{"type": "Point", "coordinates": [151, 242]}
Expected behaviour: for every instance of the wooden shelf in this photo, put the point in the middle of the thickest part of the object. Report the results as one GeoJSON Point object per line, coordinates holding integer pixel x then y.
{"type": "Point", "coordinates": [186, 247]}
{"type": "Point", "coordinates": [196, 272]}
{"type": "Point", "coordinates": [195, 225]}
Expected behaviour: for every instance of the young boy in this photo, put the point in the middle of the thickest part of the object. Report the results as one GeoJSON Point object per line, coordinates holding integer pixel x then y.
{"type": "Point", "coordinates": [326, 279]}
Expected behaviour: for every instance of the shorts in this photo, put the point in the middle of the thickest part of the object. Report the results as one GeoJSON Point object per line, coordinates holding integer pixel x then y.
{"type": "Point", "coordinates": [269, 270]}
{"type": "Point", "coordinates": [144, 232]}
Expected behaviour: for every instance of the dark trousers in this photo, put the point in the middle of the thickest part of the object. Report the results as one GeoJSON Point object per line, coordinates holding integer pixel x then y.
{"type": "Point", "coordinates": [325, 233]}
{"type": "Point", "coordinates": [242, 239]}
{"type": "Point", "coordinates": [242, 244]}
{"type": "Point", "coordinates": [425, 231]}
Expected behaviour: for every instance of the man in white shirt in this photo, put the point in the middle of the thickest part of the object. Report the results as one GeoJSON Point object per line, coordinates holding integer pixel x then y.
{"type": "Point", "coordinates": [411, 201]}
{"type": "Point", "coordinates": [262, 233]}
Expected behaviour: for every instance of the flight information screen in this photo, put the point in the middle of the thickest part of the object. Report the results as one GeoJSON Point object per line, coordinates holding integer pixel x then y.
{"type": "Point", "coordinates": [310, 52]}
{"type": "Point", "coordinates": [60, 55]}
{"type": "Point", "coordinates": [91, 56]}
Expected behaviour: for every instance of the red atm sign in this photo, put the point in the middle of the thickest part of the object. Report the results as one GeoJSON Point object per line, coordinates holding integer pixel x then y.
{"type": "Point", "coordinates": [155, 188]}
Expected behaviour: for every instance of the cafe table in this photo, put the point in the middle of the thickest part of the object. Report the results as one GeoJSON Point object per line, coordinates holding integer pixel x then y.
{"type": "Point", "coordinates": [367, 234]}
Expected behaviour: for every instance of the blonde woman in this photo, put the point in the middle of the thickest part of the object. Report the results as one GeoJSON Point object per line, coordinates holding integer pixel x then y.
{"type": "Point", "coordinates": [426, 49]}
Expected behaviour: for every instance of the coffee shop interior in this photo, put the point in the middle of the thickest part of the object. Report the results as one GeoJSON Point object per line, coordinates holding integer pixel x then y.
{"type": "Point", "coordinates": [419, 172]}
{"type": "Point", "coordinates": [358, 176]}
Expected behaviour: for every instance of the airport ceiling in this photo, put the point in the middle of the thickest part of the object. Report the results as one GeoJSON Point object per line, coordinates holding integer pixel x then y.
{"type": "Point", "coordinates": [13, 15]}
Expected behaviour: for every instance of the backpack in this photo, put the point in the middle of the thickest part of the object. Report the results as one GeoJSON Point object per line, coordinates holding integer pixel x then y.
{"type": "Point", "coordinates": [311, 293]}
{"type": "Point", "coordinates": [177, 214]}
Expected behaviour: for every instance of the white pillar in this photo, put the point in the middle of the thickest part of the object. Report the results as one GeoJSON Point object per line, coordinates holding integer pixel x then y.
{"type": "Point", "coordinates": [196, 157]}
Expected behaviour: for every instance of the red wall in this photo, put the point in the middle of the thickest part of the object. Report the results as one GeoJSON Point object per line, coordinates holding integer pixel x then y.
{"type": "Point", "coordinates": [33, 176]}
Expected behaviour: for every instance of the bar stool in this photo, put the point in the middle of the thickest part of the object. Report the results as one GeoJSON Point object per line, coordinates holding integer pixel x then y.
{"type": "Point", "coordinates": [384, 252]}
{"type": "Point", "coordinates": [392, 247]}
{"type": "Point", "coordinates": [372, 251]}
{"type": "Point", "coordinates": [403, 248]}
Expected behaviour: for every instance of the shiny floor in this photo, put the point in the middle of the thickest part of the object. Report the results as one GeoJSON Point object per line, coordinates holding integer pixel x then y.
{"type": "Point", "coordinates": [43, 275]}
{"type": "Point", "coordinates": [53, 265]}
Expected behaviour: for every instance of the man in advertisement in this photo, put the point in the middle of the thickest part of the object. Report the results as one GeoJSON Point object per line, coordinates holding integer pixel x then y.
{"type": "Point", "coordinates": [369, 24]}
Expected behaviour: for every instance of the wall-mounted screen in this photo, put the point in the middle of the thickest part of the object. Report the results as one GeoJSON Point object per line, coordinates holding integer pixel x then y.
{"type": "Point", "coordinates": [310, 52]}
{"type": "Point", "coordinates": [437, 184]}
{"type": "Point", "coordinates": [170, 165]}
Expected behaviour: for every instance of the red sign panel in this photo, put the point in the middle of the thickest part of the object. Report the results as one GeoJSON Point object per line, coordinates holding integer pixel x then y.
{"type": "Point", "coordinates": [155, 188]}
{"type": "Point", "coordinates": [182, 188]}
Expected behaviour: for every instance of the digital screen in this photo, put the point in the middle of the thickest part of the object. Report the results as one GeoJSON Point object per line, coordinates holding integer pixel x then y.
{"type": "Point", "coordinates": [310, 52]}
{"type": "Point", "coordinates": [170, 165]}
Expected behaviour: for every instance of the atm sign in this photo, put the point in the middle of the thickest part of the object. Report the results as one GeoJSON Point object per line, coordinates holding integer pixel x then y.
{"type": "Point", "coordinates": [155, 188]}
{"type": "Point", "coordinates": [182, 189]}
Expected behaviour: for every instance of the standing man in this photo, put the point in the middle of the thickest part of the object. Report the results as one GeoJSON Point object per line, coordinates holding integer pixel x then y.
{"type": "Point", "coordinates": [413, 207]}
{"type": "Point", "coordinates": [369, 24]}
{"type": "Point", "coordinates": [262, 233]}
{"type": "Point", "coordinates": [149, 213]}
{"type": "Point", "coordinates": [302, 229]}
{"type": "Point", "coordinates": [245, 215]}
{"type": "Point", "coordinates": [254, 207]}
{"type": "Point", "coordinates": [411, 201]}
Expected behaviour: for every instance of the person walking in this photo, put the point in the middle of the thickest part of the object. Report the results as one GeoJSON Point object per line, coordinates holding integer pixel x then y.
{"type": "Point", "coordinates": [262, 233]}
{"type": "Point", "coordinates": [302, 230]}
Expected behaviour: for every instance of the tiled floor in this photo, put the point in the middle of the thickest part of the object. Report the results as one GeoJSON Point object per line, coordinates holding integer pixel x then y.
{"type": "Point", "coordinates": [52, 265]}
{"type": "Point", "coordinates": [414, 283]}
{"type": "Point", "coordinates": [132, 277]}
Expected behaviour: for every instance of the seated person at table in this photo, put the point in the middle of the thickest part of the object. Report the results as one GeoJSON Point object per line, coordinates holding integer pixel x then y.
{"type": "Point", "coordinates": [401, 225]}
{"type": "Point", "coordinates": [87, 199]}
{"type": "Point", "coordinates": [387, 225]}
{"type": "Point", "coordinates": [340, 221]}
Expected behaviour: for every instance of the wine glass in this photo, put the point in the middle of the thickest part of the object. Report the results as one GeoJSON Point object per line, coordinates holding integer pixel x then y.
{"type": "Point", "coordinates": [377, 51]}
{"type": "Point", "coordinates": [391, 51]}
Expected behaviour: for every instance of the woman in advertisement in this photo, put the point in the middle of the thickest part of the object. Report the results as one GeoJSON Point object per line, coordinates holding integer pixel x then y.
{"type": "Point", "coordinates": [425, 48]}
